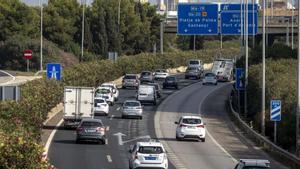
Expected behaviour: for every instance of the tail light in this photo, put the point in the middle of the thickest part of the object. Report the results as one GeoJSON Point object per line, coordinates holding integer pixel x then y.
{"type": "Point", "coordinates": [136, 156]}
{"type": "Point", "coordinates": [200, 126]}
{"type": "Point", "coordinates": [182, 125]}
{"type": "Point", "coordinates": [79, 129]}
{"type": "Point", "coordinates": [100, 129]}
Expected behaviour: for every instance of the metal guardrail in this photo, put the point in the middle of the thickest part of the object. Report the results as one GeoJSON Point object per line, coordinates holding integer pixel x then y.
{"type": "Point", "coordinates": [292, 159]}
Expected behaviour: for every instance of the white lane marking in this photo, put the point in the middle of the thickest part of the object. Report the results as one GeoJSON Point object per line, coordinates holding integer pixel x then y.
{"type": "Point", "coordinates": [118, 108]}
{"type": "Point", "coordinates": [222, 148]}
{"type": "Point", "coordinates": [107, 128]}
{"type": "Point", "coordinates": [50, 138]}
{"type": "Point", "coordinates": [106, 141]}
{"type": "Point", "coordinates": [111, 117]}
{"type": "Point", "coordinates": [109, 158]}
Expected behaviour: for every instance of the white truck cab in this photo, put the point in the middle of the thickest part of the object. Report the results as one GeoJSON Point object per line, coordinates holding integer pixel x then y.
{"type": "Point", "coordinates": [253, 163]}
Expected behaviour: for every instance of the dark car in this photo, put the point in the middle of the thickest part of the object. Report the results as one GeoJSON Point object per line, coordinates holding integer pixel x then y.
{"type": "Point", "coordinates": [193, 72]}
{"type": "Point", "coordinates": [157, 88]}
{"type": "Point", "coordinates": [91, 130]}
{"type": "Point", "coordinates": [170, 82]}
{"type": "Point", "coordinates": [146, 76]}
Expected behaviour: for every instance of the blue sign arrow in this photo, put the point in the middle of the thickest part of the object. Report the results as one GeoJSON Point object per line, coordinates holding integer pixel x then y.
{"type": "Point", "coordinates": [275, 114]}
{"type": "Point", "coordinates": [240, 79]}
{"type": "Point", "coordinates": [231, 19]}
{"type": "Point", "coordinates": [197, 19]}
{"type": "Point", "coordinates": [54, 71]}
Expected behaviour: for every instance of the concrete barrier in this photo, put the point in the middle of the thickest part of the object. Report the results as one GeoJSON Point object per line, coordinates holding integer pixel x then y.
{"type": "Point", "coordinates": [289, 158]}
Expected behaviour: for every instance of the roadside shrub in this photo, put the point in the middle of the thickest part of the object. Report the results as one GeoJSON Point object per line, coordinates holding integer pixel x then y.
{"type": "Point", "coordinates": [281, 83]}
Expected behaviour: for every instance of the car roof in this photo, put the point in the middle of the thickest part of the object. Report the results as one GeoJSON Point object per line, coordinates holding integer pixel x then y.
{"type": "Point", "coordinates": [110, 84]}
{"type": "Point", "coordinates": [100, 98]}
{"type": "Point", "coordinates": [146, 71]}
{"type": "Point", "coordinates": [191, 117]}
{"type": "Point", "coordinates": [150, 143]}
{"type": "Point", "coordinates": [91, 120]}
{"type": "Point", "coordinates": [130, 75]}
{"type": "Point", "coordinates": [132, 101]}
{"type": "Point", "coordinates": [146, 86]}
{"type": "Point", "coordinates": [152, 84]}
{"type": "Point", "coordinates": [256, 162]}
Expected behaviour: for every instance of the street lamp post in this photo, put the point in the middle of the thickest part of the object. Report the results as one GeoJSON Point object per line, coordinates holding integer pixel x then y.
{"type": "Point", "coordinates": [83, 3]}
{"type": "Point", "coordinates": [41, 45]}
{"type": "Point", "coordinates": [119, 15]}
{"type": "Point", "coordinates": [298, 105]}
{"type": "Point", "coordinates": [263, 70]}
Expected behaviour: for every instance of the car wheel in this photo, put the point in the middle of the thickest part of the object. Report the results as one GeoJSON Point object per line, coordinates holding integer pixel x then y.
{"type": "Point", "coordinates": [216, 84]}
{"type": "Point", "coordinates": [186, 77]}
{"type": "Point", "coordinates": [203, 140]}
{"type": "Point", "coordinates": [154, 102]}
{"type": "Point", "coordinates": [102, 142]}
{"type": "Point", "coordinates": [123, 87]}
{"type": "Point", "coordinates": [203, 83]}
{"type": "Point", "coordinates": [123, 117]}
{"type": "Point", "coordinates": [176, 87]}
{"type": "Point", "coordinates": [178, 139]}
{"type": "Point", "coordinates": [141, 117]}
{"type": "Point", "coordinates": [78, 141]}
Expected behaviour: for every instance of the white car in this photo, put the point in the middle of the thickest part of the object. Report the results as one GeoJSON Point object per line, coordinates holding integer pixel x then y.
{"type": "Point", "coordinates": [148, 155]}
{"type": "Point", "coordinates": [100, 106]}
{"type": "Point", "coordinates": [105, 92]}
{"type": "Point", "coordinates": [160, 74]}
{"type": "Point", "coordinates": [253, 163]}
{"type": "Point", "coordinates": [146, 94]}
{"type": "Point", "coordinates": [210, 78]}
{"type": "Point", "coordinates": [190, 127]}
{"type": "Point", "coordinates": [114, 89]}
{"type": "Point", "coordinates": [132, 108]}
{"type": "Point", "coordinates": [196, 63]}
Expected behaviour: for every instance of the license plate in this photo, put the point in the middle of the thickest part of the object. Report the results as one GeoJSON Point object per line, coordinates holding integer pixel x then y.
{"type": "Point", "coordinates": [191, 127]}
{"type": "Point", "coordinates": [150, 158]}
{"type": "Point", "coordinates": [90, 131]}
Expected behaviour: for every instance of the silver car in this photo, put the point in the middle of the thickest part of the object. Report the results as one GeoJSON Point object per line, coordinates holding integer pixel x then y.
{"type": "Point", "coordinates": [130, 80]}
{"type": "Point", "coordinates": [132, 108]}
{"type": "Point", "coordinates": [91, 130]}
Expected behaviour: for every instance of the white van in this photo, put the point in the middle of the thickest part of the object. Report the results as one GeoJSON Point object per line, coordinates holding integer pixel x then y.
{"type": "Point", "coordinates": [195, 63]}
{"type": "Point", "coordinates": [146, 94]}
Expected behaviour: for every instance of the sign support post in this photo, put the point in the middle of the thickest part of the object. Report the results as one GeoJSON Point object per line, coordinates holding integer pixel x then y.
{"type": "Point", "coordinates": [275, 132]}
{"type": "Point", "coordinates": [275, 116]}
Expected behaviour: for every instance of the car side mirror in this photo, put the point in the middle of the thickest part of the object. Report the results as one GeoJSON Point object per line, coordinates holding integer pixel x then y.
{"type": "Point", "coordinates": [130, 150]}
{"type": "Point", "coordinates": [176, 122]}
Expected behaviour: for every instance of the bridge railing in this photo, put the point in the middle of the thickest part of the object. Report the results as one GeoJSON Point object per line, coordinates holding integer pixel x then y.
{"type": "Point", "coordinates": [290, 159]}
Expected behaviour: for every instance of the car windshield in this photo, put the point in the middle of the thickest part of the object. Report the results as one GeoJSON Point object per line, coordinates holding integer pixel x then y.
{"type": "Point", "coordinates": [130, 77]}
{"type": "Point", "coordinates": [192, 69]}
{"type": "Point", "coordinates": [194, 62]}
{"type": "Point", "coordinates": [103, 91]}
{"type": "Point", "coordinates": [150, 150]}
{"type": "Point", "coordinates": [209, 75]}
{"type": "Point", "coordinates": [161, 71]}
{"type": "Point", "coordinates": [170, 78]}
{"type": "Point", "coordinates": [91, 124]}
{"type": "Point", "coordinates": [191, 121]}
{"type": "Point", "coordinates": [145, 73]}
{"type": "Point", "coordinates": [132, 104]}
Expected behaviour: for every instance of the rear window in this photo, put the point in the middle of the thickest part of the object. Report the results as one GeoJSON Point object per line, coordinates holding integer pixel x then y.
{"type": "Point", "coordinates": [145, 73]}
{"type": "Point", "coordinates": [98, 101]}
{"type": "Point", "coordinates": [132, 104]}
{"type": "Point", "coordinates": [91, 124]}
{"type": "Point", "coordinates": [209, 74]}
{"type": "Point", "coordinates": [192, 68]}
{"type": "Point", "coordinates": [110, 86]}
{"type": "Point", "coordinates": [103, 91]}
{"type": "Point", "coordinates": [170, 78]}
{"type": "Point", "coordinates": [191, 121]}
{"type": "Point", "coordinates": [150, 150]}
{"type": "Point", "coordinates": [130, 77]}
{"type": "Point", "coordinates": [194, 62]}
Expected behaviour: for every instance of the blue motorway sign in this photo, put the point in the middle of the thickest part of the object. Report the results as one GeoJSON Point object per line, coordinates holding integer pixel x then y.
{"type": "Point", "coordinates": [275, 114]}
{"type": "Point", "coordinates": [197, 19]}
{"type": "Point", "coordinates": [231, 19]}
{"type": "Point", "coordinates": [240, 79]}
{"type": "Point", "coordinates": [54, 71]}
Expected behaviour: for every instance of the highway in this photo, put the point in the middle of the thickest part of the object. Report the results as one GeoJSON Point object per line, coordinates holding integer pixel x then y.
{"type": "Point", "coordinates": [224, 144]}
{"type": "Point", "coordinates": [64, 153]}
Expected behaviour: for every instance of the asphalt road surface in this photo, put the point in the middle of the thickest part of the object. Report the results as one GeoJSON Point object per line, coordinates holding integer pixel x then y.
{"type": "Point", "coordinates": [64, 153]}
{"type": "Point", "coordinates": [224, 144]}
